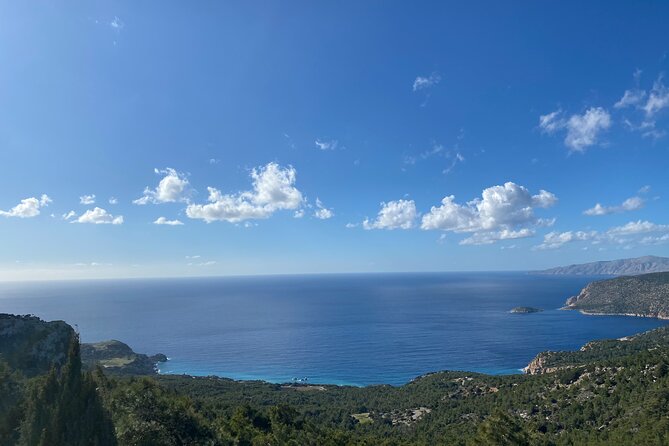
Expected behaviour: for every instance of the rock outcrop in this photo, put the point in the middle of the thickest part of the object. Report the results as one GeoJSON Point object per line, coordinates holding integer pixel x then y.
{"type": "Point", "coordinates": [32, 345]}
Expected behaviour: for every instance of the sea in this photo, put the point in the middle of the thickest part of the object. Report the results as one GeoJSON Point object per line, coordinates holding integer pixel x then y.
{"type": "Point", "coordinates": [344, 329]}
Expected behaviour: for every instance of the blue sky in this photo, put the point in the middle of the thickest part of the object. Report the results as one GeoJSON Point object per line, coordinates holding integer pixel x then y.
{"type": "Point", "coordinates": [301, 137]}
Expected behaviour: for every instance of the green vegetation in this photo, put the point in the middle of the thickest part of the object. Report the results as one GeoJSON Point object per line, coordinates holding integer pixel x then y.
{"type": "Point", "coordinates": [525, 310]}
{"type": "Point", "coordinates": [118, 358]}
{"type": "Point", "coordinates": [609, 393]}
{"type": "Point", "coordinates": [644, 295]}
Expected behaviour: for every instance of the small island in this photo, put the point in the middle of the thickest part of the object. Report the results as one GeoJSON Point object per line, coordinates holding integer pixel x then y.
{"type": "Point", "coordinates": [525, 310]}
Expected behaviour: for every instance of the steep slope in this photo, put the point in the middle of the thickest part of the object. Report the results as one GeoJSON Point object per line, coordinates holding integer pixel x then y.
{"type": "Point", "coordinates": [32, 345]}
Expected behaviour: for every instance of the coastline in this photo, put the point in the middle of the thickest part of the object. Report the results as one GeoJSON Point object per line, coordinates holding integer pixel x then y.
{"type": "Point", "coordinates": [322, 385]}
{"type": "Point", "coordinates": [598, 313]}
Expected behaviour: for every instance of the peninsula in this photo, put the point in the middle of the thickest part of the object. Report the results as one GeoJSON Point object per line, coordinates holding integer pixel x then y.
{"type": "Point", "coordinates": [646, 295]}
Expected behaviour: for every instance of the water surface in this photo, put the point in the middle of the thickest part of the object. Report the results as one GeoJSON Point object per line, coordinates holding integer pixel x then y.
{"type": "Point", "coordinates": [340, 329]}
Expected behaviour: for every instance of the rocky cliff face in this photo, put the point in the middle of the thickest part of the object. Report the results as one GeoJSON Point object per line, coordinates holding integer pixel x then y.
{"type": "Point", "coordinates": [32, 345]}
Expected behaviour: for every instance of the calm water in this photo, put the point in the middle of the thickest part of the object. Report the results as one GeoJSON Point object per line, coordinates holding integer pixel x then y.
{"type": "Point", "coordinates": [341, 329]}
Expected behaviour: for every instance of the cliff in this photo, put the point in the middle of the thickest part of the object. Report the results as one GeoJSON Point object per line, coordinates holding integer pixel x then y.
{"type": "Point", "coordinates": [32, 345]}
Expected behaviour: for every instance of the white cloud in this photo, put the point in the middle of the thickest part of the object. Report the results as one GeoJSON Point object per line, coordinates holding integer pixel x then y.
{"type": "Point", "coordinates": [351, 225]}
{"type": "Point", "coordinates": [299, 213]}
{"type": "Point", "coordinates": [657, 99]}
{"type": "Point", "coordinates": [551, 122]}
{"type": "Point", "coordinates": [99, 216]}
{"type": "Point", "coordinates": [173, 187]}
{"type": "Point", "coordinates": [70, 215]}
{"type": "Point", "coordinates": [505, 211]}
{"type": "Point", "coordinates": [273, 190]}
{"type": "Point", "coordinates": [626, 235]}
{"type": "Point", "coordinates": [487, 238]}
{"type": "Point", "coordinates": [655, 240]}
{"type": "Point", "coordinates": [331, 144]}
{"type": "Point", "coordinates": [631, 204]}
{"type": "Point", "coordinates": [322, 212]}
{"type": "Point", "coordinates": [630, 97]}
{"type": "Point", "coordinates": [28, 207]}
{"type": "Point", "coordinates": [637, 227]}
{"type": "Point", "coordinates": [165, 221]}
{"type": "Point", "coordinates": [422, 83]}
{"type": "Point", "coordinates": [399, 214]}
{"type": "Point", "coordinates": [113, 200]}
{"type": "Point", "coordinates": [582, 130]}
{"type": "Point", "coordinates": [87, 199]}
{"type": "Point", "coordinates": [554, 239]}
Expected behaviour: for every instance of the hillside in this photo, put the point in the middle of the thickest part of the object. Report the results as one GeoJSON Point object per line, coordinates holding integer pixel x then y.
{"type": "Point", "coordinates": [611, 392]}
{"type": "Point", "coordinates": [622, 267]}
{"type": "Point", "coordinates": [644, 295]}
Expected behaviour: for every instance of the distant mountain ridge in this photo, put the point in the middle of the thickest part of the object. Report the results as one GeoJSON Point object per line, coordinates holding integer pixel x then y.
{"type": "Point", "coordinates": [621, 267]}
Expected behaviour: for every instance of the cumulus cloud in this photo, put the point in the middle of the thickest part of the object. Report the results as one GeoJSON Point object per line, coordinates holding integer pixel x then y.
{"type": "Point", "coordinates": [331, 144]}
{"type": "Point", "coordinates": [322, 212]}
{"type": "Point", "coordinates": [554, 239]}
{"type": "Point", "coordinates": [399, 214]}
{"type": "Point", "coordinates": [502, 212]}
{"type": "Point", "coordinates": [99, 216]}
{"type": "Point", "coordinates": [487, 238]}
{"type": "Point", "coordinates": [173, 187]}
{"type": "Point", "coordinates": [273, 190]}
{"type": "Point", "coordinates": [631, 204]}
{"type": "Point", "coordinates": [87, 199]}
{"type": "Point", "coordinates": [165, 221]}
{"type": "Point", "coordinates": [625, 235]}
{"type": "Point", "coordinates": [582, 131]}
{"type": "Point", "coordinates": [69, 216]}
{"type": "Point", "coordinates": [113, 200]}
{"type": "Point", "coordinates": [28, 207]}
{"type": "Point", "coordinates": [422, 83]}
{"type": "Point", "coordinates": [637, 227]}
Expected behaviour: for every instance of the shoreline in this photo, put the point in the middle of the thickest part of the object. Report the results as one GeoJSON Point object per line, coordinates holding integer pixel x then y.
{"type": "Point", "coordinates": [598, 313]}
{"type": "Point", "coordinates": [517, 371]}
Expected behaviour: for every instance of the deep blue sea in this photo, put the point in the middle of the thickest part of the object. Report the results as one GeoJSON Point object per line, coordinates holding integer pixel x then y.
{"type": "Point", "coordinates": [340, 329]}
